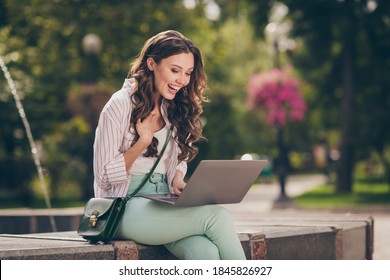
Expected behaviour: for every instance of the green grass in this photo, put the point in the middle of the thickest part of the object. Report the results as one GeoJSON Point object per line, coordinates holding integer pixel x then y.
{"type": "Point", "coordinates": [365, 193]}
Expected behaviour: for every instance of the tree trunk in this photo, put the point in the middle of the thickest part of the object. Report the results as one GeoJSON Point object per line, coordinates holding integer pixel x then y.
{"type": "Point", "coordinates": [386, 165]}
{"type": "Point", "coordinates": [346, 163]}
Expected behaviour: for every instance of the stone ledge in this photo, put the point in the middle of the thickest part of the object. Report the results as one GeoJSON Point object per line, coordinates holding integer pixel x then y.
{"type": "Point", "coordinates": [51, 246]}
{"type": "Point", "coordinates": [353, 233]}
{"type": "Point", "coordinates": [253, 244]}
{"type": "Point", "coordinates": [69, 246]}
{"type": "Point", "coordinates": [276, 235]}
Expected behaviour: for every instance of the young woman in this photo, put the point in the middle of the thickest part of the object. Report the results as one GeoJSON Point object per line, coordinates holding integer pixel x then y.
{"type": "Point", "coordinates": [165, 88]}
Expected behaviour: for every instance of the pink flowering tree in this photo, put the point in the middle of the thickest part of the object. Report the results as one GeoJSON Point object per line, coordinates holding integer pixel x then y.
{"type": "Point", "coordinates": [277, 94]}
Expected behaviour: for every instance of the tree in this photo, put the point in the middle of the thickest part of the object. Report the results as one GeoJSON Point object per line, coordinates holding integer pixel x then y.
{"type": "Point", "coordinates": [343, 58]}
{"type": "Point", "coordinates": [276, 94]}
{"type": "Point", "coordinates": [41, 42]}
{"type": "Point", "coordinates": [342, 40]}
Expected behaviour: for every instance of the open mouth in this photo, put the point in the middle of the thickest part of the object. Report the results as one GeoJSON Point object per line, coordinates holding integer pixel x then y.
{"type": "Point", "coordinates": [173, 88]}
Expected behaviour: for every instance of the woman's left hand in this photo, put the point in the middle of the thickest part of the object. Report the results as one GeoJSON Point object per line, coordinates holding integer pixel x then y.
{"type": "Point", "coordinates": [178, 184]}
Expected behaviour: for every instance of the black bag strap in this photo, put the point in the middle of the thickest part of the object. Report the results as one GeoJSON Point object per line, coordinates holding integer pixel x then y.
{"type": "Point", "coordinates": [146, 178]}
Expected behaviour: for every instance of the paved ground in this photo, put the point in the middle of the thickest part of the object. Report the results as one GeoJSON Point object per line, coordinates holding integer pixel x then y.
{"type": "Point", "coordinates": [261, 197]}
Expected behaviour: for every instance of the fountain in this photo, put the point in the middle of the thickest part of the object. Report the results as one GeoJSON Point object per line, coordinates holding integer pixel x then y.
{"type": "Point", "coordinates": [34, 150]}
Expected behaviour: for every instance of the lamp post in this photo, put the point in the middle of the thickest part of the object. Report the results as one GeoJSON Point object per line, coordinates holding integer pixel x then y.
{"type": "Point", "coordinates": [276, 35]}
{"type": "Point", "coordinates": [92, 47]}
{"type": "Point", "coordinates": [276, 32]}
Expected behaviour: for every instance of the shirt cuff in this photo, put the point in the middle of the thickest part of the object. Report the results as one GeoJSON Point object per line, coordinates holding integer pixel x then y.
{"type": "Point", "coordinates": [182, 167]}
{"type": "Point", "coordinates": [116, 171]}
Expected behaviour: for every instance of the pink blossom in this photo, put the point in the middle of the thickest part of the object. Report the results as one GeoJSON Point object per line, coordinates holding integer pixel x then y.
{"type": "Point", "coordinates": [278, 94]}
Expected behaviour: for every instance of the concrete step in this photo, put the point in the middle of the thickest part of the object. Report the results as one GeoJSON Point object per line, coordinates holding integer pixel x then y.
{"type": "Point", "coordinates": [69, 246]}
{"type": "Point", "coordinates": [276, 235]}
{"type": "Point", "coordinates": [296, 234]}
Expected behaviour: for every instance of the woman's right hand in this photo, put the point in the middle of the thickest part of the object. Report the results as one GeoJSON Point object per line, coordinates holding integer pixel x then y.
{"type": "Point", "coordinates": [146, 128]}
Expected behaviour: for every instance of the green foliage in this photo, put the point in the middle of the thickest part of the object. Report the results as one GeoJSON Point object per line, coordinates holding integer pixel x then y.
{"type": "Point", "coordinates": [231, 56]}
{"type": "Point", "coordinates": [63, 157]}
{"type": "Point", "coordinates": [331, 33]}
{"type": "Point", "coordinates": [41, 43]}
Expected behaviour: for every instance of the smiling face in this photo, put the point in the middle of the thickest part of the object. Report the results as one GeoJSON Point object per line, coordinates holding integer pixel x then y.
{"type": "Point", "coordinates": [172, 73]}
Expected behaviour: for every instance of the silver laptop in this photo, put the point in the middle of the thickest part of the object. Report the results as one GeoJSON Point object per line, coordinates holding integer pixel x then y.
{"type": "Point", "coordinates": [216, 182]}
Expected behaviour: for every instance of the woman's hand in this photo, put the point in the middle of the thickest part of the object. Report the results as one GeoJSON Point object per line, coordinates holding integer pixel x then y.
{"type": "Point", "coordinates": [178, 183]}
{"type": "Point", "coordinates": [147, 127]}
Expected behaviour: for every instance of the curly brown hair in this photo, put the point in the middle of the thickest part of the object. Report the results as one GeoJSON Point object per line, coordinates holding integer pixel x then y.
{"type": "Point", "coordinates": [185, 109]}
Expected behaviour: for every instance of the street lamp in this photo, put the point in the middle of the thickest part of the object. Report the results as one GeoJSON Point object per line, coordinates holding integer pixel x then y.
{"type": "Point", "coordinates": [92, 47]}
{"type": "Point", "coordinates": [276, 33]}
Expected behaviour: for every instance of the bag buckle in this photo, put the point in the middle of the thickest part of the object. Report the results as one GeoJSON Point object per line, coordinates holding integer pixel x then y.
{"type": "Point", "coordinates": [93, 218]}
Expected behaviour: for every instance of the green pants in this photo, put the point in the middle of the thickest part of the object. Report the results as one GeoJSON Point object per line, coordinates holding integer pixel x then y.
{"type": "Point", "coordinates": [200, 232]}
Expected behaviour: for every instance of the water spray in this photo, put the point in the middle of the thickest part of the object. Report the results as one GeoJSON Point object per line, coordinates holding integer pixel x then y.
{"type": "Point", "coordinates": [34, 150]}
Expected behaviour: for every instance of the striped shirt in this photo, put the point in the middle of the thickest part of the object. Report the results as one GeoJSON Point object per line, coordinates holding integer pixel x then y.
{"type": "Point", "coordinates": [113, 138]}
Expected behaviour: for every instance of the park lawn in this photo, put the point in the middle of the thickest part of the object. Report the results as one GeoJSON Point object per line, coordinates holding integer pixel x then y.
{"type": "Point", "coordinates": [364, 193]}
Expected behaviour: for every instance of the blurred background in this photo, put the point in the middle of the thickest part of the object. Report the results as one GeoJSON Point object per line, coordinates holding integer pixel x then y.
{"type": "Point", "coordinates": [303, 84]}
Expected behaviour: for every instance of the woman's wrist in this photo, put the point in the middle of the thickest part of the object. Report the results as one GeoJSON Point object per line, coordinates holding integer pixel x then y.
{"type": "Point", "coordinates": [178, 178]}
{"type": "Point", "coordinates": [144, 141]}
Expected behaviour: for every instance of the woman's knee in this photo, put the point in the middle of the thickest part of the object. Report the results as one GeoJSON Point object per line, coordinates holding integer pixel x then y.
{"type": "Point", "coordinates": [195, 247]}
{"type": "Point", "coordinates": [220, 214]}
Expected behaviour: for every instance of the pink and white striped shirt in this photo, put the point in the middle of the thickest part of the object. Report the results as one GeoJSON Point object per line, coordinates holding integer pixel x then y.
{"type": "Point", "coordinates": [113, 138]}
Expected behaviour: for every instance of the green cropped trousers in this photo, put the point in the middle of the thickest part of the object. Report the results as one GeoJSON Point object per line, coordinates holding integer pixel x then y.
{"type": "Point", "coordinates": [197, 233]}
